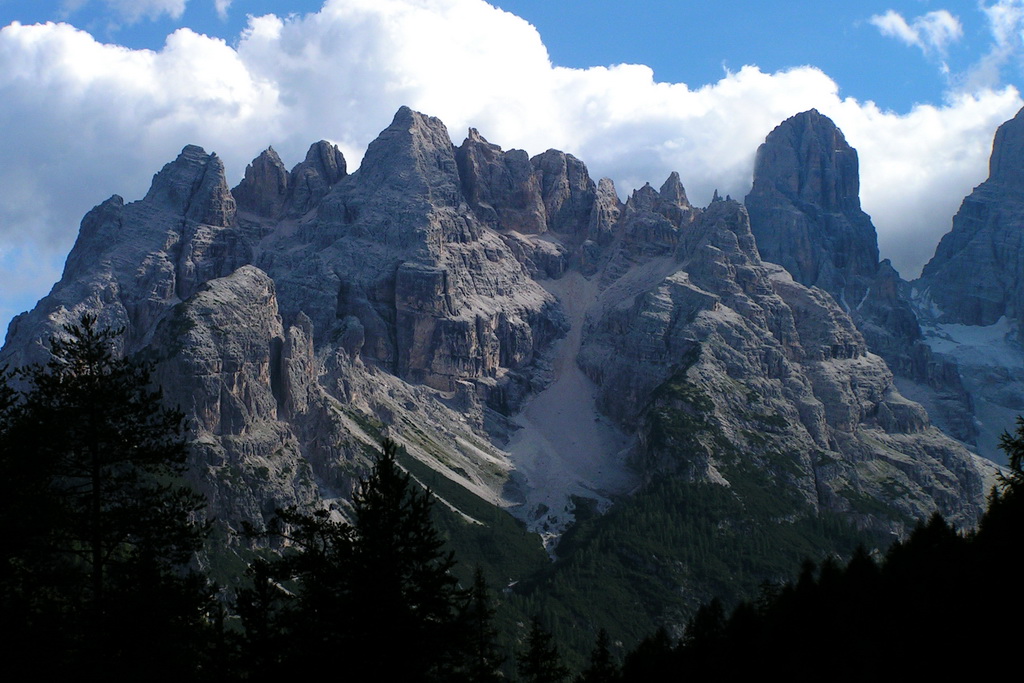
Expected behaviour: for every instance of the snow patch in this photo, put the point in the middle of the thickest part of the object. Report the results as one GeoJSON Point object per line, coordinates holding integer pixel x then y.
{"type": "Point", "coordinates": [991, 360]}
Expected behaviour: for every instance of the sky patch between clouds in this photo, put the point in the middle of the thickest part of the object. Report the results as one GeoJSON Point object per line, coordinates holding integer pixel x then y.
{"type": "Point", "coordinates": [85, 120]}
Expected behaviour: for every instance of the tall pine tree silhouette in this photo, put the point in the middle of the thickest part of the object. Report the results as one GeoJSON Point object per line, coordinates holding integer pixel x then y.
{"type": "Point", "coordinates": [104, 521]}
{"type": "Point", "coordinates": [379, 591]}
{"type": "Point", "coordinates": [483, 658]}
{"type": "Point", "coordinates": [539, 662]}
{"type": "Point", "coordinates": [403, 592]}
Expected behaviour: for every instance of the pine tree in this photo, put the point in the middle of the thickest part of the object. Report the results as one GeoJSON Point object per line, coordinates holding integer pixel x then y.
{"type": "Point", "coordinates": [403, 588]}
{"type": "Point", "coordinates": [484, 659]}
{"type": "Point", "coordinates": [539, 662]}
{"type": "Point", "coordinates": [289, 632]}
{"type": "Point", "coordinates": [105, 523]}
{"type": "Point", "coordinates": [380, 591]}
{"type": "Point", "coordinates": [602, 667]}
{"type": "Point", "coordinates": [1013, 446]}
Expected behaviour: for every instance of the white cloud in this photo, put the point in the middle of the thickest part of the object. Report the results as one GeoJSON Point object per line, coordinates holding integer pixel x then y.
{"type": "Point", "coordinates": [84, 120]}
{"type": "Point", "coordinates": [1005, 20]}
{"type": "Point", "coordinates": [222, 7]}
{"type": "Point", "coordinates": [932, 32]}
{"type": "Point", "coordinates": [894, 25]}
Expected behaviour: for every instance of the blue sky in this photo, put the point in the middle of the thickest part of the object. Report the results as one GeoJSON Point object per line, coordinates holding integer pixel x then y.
{"type": "Point", "coordinates": [95, 105]}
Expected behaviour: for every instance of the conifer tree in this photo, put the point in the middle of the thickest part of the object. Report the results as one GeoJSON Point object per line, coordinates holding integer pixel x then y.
{"type": "Point", "coordinates": [379, 590]}
{"type": "Point", "coordinates": [402, 585]}
{"type": "Point", "coordinates": [540, 662]}
{"type": "Point", "coordinates": [1013, 446]}
{"type": "Point", "coordinates": [94, 462]}
{"type": "Point", "coordinates": [483, 657]}
{"type": "Point", "coordinates": [602, 667]}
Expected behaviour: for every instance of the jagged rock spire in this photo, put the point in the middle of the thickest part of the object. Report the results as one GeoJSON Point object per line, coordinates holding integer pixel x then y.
{"type": "Point", "coordinates": [977, 273]}
{"type": "Point", "coordinates": [805, 207]}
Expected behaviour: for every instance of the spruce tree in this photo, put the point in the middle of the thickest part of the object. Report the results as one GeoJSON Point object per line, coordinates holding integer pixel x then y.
{"type": "Point", "coordinates": [402, 586]}
{"type": "Point", "coordinates": [539, 662]}
{"type": "Point", "coordinates": [379, 591]}
{"type": "Point", "coordinates": [94, 490]}
{"type": "Point", "coordinates": [483, 658]}
{"type": "Point", "coordinates": [602, 667]}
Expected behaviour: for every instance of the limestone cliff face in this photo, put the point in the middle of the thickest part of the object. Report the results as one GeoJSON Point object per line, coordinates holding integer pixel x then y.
{"type": "Point", "coordinates": [805, 208]}
{"type": "Point", "coordinates": [805, 213]}
{"type": "Point", "coordinates": [269, 191]}
{"type": "Point", "coordinates": [970, 296]}
{"type": "Point", "coordinates": [132, 262]}
{"type": "Point", "coordinates": [427, 296]}
{"type": "Point", "coordinates": [714, 356]}
{"type": "Point", "coordinates": [220, 360]}
{"type": "Point", "coordinates": [394, 262]}
{"type": "Point", "coordinates": [977, 273]}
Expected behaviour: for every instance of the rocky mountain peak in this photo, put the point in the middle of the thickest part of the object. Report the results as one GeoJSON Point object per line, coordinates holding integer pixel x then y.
{"type": "Point", "coordinates": [414, 155]}
{"type": "Point", "coordinates": [807, 159]}
{"type": "Point", "coordinates": [672, 191]}
{"type": "Point", "coordinates": [805, 207]}
{"type": "Point", "coordinates": [327, 160]}
{"type": "Point", "coordinates": [977, 273]}
{"type": "Point", "coordinates": [1006, 165]}
{"type": "Point", "coordinates": [645, 198]}
{"type": "Point", "coordinates": [501, 186]}
{"type": "Point", "coordinates": [311, 180]}
{"type": "Point", "coordinates": [265, 185]}
{"type": "Point", "coordinates": [194, 185]}
{"type": "Point", "coordinates": [567, 190]}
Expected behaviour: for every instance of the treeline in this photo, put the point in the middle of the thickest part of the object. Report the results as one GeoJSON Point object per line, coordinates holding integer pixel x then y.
{"type": "Point", "coordinates": [940, 604]}
{"type": "Point", "coordinates": [96, 575]}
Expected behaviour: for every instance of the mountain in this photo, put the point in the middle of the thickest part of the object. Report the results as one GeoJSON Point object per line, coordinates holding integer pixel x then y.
{"type": "Point", "coordinates": [970, 295]}
{"type": "Point", "coordinates": [805, 212]}
{"type": "Point", "coordinates": [534, 343]}
{"type": "Point", "coordinates": [805, 208]}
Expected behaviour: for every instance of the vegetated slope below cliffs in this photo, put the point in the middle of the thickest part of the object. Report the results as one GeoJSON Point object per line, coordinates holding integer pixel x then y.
{"type": "Point", "coordinates": [307, 313]}
{"type": "Point", "coordinates": [970, 296]}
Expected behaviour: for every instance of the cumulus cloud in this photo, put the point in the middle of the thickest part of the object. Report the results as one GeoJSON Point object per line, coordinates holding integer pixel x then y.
{"type": "Point", "coordinates": [84, 120]}
{"type": "Point", "coordinates": [932, 32]}
{"type": "Point", "coordinates": [1005, 20]}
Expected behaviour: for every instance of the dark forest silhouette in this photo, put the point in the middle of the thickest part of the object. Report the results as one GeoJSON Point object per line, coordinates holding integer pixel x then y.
{"type": "Point", "coordinates": [99, 523]}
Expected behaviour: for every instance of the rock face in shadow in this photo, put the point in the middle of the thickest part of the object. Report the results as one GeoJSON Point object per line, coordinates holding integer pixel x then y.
{"type": "Point", "coordinates": [970, 296]}
{"type": "Point", "coordinates": [977, 274]}
{"type": "Point", "coordinates": [133, 262]}
{"type": "Point", "coordinates": [805, 208]}
{"type": "Point", "coordinates": [269, 191]}
{"type": "Point", "coordinates": [805, 212]}
{"type": "Point", "coordinates": [306, 314]}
